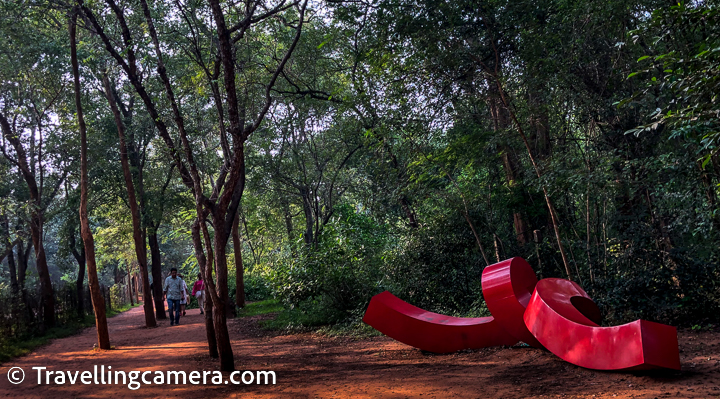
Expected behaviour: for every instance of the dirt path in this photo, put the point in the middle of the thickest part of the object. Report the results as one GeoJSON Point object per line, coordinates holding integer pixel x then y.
{"type": "Point", "coordinates": [317, 366]}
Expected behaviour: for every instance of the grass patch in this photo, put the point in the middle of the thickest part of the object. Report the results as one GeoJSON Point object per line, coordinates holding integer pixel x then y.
{"type": "Point", "coordinates": [115, 312]}
{"type": "Point", "coordinates": [12, 348]}
{"type": "Point", "coordinates": [294, 320]}
{"type": "Point", "coordinates": [261, 307]}
{"type": "Point", "coordinates": [352, 328]}
{"type": "Point", "coordinates": [307, 319]}
{"type": "Point", "coordinates": [313, 316]}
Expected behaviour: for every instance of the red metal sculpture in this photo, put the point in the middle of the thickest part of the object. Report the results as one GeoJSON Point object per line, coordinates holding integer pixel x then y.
{"type": "Point", "coordinates": [430, 331]}
{"type": "Point", "coordinates": [564, 319]}
{"type": "Point", "coordinates": [552, 313]}
{"type": "Point", "coordinates": [507, 287]}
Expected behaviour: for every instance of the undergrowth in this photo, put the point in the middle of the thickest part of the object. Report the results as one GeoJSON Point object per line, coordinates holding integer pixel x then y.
{"type": "Point", "coordinates": [12, 348]}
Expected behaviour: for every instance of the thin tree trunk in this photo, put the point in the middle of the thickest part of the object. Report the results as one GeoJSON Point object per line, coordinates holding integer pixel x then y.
{"type": "Point", "coordinates": [587, 235]}
{"type": "Point", "coordinates": [80, 258]}
{"type": "Point", "coordinates": [14, 286]}
{"type": "Point", "coordinates": [309, 218]}
{"type": "Point", "coordinates": [11, 258]}
{"type": "Point", "coordinates": [288, 218]}
{"type": "Point", "coordinates": [219, 293]}
{"type": "Point", "coordinates": [136, 285]}
{"type": "Point", "coordinates": [23, 255]}
{"type": "Point", "coordinates": [208, 306]}
{"type": "Point", "coordinates": [497, 249]}
{"type": "Point", "coordinates": [239, 270]}
{"type": "Point", "coordinates": [156, 275]}
{"type": "Point", "coordinates": [130, 288]}
{"type": "Point", "coordinates": [88, 242]}
{"type": "Point", "coordinates": [412, 219]}
{"type": "Point", "coordinates": [138, 236]}
{"type": "Point", "coordinates": [47, 294]}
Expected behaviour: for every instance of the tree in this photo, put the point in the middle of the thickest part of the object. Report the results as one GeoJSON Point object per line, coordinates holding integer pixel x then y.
{"type": "Point", "coordinates": [138, 232]}
{"type": "Point", "coordinates": [87, 237]}
{"type": "Point", "coordinates": [30, 90]}
{"type": "Point", "coordinates": [222, 204]}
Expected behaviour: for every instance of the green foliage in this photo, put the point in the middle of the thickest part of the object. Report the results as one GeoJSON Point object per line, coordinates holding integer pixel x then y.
{"type": "Point", "coordinates": [12, 347]}
{"type": "Point", "coordinates": [307, 316]}
{"type": "Point", "coordinates": [393, 134]}
{"type": "Point", "coordinates": [676, 288]}
{"type": "Point", "coordinates": [682, 75]}
{"type": "Point", "coordinates": [339, 274]}
{"type": "Point", "coordinates": [257, 288]}
{"type": "Point", "coordinates": [261, 307]}
{"type": "Point", "coordinates": [438, 268]}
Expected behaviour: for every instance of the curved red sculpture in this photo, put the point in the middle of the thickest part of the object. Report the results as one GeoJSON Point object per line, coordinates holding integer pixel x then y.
{"type": "Point", "coordinates": [564, 319]}
{"type": "Point", "coordinates": [430, 331]}
{"type": "Point", "coordinates": [553, 313]}
{"type": "Point", "coordinates": [507, 288]}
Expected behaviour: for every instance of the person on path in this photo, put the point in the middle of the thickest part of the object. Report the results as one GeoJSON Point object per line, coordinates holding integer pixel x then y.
{"type": "Point", "coordinates": [198, 291]}
{"type": "Point", "coordinates": [173, 291]}
{"type": "Point", "coordinates": [186, 298]}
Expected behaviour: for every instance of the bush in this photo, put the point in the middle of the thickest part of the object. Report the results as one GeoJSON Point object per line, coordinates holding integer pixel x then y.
{"type": "Point", "coordinates": [336, 277]}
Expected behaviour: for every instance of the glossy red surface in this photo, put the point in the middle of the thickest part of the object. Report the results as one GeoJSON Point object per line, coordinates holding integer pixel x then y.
{"type": "Point", "coordinates": [507, 288]}
{"type": "Point", "coordinates": [430, 331]}
{"type": "Point", "coordinates": [552, 313]}
{"type": "Point", "coordinates": [564, 319]}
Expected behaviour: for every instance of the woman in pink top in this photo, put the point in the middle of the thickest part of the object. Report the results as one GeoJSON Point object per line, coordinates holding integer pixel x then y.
{"type": "Point", "coordinates": [198, 291]}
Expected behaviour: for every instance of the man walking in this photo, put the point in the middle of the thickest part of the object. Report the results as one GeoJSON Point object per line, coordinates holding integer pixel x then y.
{"type": "Point", "coordinates": [173, 291]}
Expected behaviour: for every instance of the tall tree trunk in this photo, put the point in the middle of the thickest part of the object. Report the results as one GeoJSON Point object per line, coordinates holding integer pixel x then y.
{"type": "Point", "coordinates": [16, 298]}
{"type": "Point", "coordinates": [218, 292]}
{"type": "Point", "coordinates": [540, 132]}
{"type": "Point", "coordinates": [14, 286]}
{"type": "Point", "coordinates": [47, 294]}
{"type": "Point", "coordinates": [288, 218]}
{"type": "Point", "coordinates": [510, 166]}
{"type": "Point", "coordinates": [130, 288]}
{"type": "Point", "coordinates": [88, 242]}
{"type": "Point", "coordinates": [138, 236]}
{"type": "Point", "coordinates": [23, 255]}
{"type": "Point", "coordinates": [136, 286]}
{"type": "Point", "coordinates": [239, 270]}
{"type": "Point", "coordinates": [208, 308]}
{"type": "Point", "coordinates": [157, 275]}
{"type": "Point", "coordinates": [80, 258]}
{"type": "Point", "coordinates": [309, 217]}
{"type": "Point", "coordinates": [402, 182]}
{"type": "Point", "coordinates": [11, 258]}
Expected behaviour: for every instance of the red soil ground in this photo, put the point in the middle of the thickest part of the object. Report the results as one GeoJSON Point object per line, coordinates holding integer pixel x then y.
{"type": "Point", "coordinates": [309, 365]}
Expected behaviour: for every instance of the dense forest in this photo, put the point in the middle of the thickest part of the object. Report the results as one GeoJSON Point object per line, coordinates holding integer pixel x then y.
{"type": "Point", "coordinates": [321, 152]}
